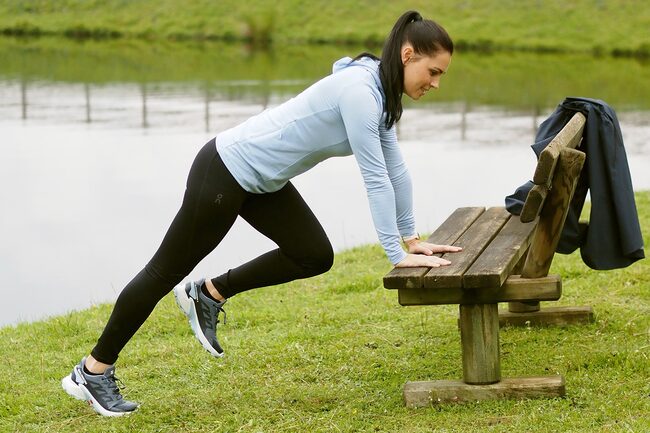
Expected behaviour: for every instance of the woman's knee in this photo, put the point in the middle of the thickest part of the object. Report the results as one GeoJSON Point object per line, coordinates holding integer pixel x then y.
{"type": "Point", "coordinates": [164, 274]}
{"type": "Point", "coordinates": [319, 260]}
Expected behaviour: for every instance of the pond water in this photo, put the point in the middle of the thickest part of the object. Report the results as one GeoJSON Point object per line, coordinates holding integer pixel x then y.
{"type": "Point", "coordinates": [97, 140]}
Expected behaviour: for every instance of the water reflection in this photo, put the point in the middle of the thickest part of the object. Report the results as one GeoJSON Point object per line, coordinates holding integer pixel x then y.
{"type": "Point", "coordinates": [213, 108]}
{"type": "Point", "coordinates": [97, 103]}
{"type": "Point", "coordinates": [96, 145]}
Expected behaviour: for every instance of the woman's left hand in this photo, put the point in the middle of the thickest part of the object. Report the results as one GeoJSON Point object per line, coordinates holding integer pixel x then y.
{"type": "Point", "coordinates": [418, 247]}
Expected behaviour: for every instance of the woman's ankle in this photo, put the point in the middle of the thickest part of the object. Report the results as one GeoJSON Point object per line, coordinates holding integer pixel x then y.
{"type": "Point", "coordinates": [213, 291]}
{"type": "Point", "coordinates": [94, 366]}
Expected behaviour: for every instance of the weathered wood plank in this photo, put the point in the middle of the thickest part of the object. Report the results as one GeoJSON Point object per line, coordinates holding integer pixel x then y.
{"type": "Point", "coordinates": [428, 393]}
{"type": "Point", "coordinates": [534, 203]}
{"type": "Point", "coordinates": [497, 261]}
{"type": "Point", "coordinates": [531, 288]}
{"type": "Point", "coordinates": [569, 137]}
{"type": "Point", "coordinates": [479, 336]}
{"type": "Point", "coordinates": [514, 289]}
{"type": "Point", "coordinates": [546, 166]}
{"type": "Point", "coordinates": [555, 316]}
{"type": "Point", "coordinates": [553, 215]}
{"type": "Point", "coordinates": [448, 232]}
{"type": "Point", "coordinates": [473, 242]}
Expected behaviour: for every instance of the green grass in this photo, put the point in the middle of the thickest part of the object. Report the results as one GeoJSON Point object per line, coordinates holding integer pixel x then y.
{"type": "Point", "coordinates": [331, 353]}
{"type": "Point", "coordinates": [599, 26]}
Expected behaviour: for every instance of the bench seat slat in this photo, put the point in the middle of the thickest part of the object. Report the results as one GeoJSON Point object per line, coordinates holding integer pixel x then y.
{"type": "Point", "coordinates": [498, 260]}
{"type": "Point", "coordinates": [448, 232]}
{"type": "Point", "coordinates": [473, 242]}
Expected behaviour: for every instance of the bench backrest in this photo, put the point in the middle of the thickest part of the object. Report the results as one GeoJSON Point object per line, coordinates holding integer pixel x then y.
{"type": "Point", "coordinates": [555, 179]}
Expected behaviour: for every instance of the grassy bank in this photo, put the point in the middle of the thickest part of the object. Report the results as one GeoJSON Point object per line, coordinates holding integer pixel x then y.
{"type": "Point", "coordinates": [598, 26]}
{"type": "Point", "coordinates": [331, 354]}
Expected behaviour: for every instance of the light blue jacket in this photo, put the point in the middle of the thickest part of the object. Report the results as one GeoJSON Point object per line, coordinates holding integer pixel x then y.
{"type": "Point", "coordinates": [340, 115]}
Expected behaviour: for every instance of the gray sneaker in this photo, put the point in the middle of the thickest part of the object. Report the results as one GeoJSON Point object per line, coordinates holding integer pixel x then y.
{"type": "Point", "coordinates": [100, 391]}
{"type": "Point", "coordinates": [202, 313]}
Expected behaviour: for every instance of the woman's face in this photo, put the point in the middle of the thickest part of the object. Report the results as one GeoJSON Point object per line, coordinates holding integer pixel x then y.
{"type": "Point", "coordinates": [422, 72]}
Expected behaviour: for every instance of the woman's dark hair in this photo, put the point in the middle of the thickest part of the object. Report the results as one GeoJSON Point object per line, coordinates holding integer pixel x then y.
{"type": "Point", "coordinates": [427, 38]}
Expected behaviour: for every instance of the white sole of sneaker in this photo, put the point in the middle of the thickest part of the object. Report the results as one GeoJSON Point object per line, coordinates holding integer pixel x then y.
{"type": "Point", "coordinates": [80, 392]}
{"type": "Point", "coordinates": [72, 388]}
{"type": "Point", "coordinates": [186, 304]}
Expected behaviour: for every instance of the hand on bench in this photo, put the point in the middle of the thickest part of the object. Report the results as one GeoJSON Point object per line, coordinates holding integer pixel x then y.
{"type": "Point", "coordinates": [422, 254]}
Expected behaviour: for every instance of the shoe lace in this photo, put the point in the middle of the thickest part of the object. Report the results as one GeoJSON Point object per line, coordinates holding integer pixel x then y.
{"type": "Point", "coordinates": [221, 310]}
{"type": "Point", "coordinates": [113, 386]}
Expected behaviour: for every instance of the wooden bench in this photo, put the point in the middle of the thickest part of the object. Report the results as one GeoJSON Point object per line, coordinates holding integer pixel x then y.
{"type": "Point", "coordinates": [504, 259]}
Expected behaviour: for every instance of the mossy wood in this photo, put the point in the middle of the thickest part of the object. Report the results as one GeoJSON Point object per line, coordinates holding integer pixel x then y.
{"type": "Point", "coordinates": [495, 246]}
{"type": "Point", "coordinates": [430, 393]}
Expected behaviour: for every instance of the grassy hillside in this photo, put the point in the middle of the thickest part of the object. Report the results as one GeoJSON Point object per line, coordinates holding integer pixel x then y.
{"type": "Point", "coordinates": [330, 354]}
{"type": "Point", "coordinates": [601, 26]}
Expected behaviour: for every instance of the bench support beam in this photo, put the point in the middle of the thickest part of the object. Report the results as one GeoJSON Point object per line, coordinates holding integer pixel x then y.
{"type": "Point", "coordinates": [555, 316]}
{"type": "Point", "coordinates": [548, 288]}
{"type": "Point", "coordinates": [423, 394]}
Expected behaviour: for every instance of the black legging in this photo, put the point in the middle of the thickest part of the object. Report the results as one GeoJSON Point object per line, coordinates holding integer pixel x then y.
{"type": "Point", "coordinates": [212, 201]}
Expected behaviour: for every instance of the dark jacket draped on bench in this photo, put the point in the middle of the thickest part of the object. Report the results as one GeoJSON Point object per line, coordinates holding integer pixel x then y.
{"type": "Point", "coordinates": [612, 239]}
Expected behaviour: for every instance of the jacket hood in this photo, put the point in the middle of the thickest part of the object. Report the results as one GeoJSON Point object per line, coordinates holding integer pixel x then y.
{"type": "Point", "coordinates": [367, 63]}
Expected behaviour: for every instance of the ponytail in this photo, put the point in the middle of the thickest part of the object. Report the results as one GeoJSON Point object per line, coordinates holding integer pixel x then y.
{"type": "Point", "coordinates": [427, 38]}
{"type": "Point", "coordinates": [391, 69]}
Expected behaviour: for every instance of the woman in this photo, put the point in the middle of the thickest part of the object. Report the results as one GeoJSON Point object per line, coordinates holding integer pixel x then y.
{"type": "Point", "coordinates": [246, 171]}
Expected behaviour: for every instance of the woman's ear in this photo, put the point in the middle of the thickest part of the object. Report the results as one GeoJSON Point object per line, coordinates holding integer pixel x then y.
{"type": "Point", "coordinates": [406, 53]}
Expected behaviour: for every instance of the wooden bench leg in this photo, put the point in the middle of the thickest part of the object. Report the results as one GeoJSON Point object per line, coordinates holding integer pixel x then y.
{"type": "Point", "coordinates": [479, 336]}
{"type": "Point", "coordinates": [479, 329]}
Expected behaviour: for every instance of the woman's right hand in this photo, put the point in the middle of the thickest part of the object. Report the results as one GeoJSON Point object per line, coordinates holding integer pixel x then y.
{"type": "Point", "coordinates": [419, 260]}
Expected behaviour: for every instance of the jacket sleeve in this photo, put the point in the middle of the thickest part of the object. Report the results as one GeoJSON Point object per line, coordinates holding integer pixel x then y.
{"type": "Point", "coordinates": [361, 113]}
{"type": "Point", "coordinates": [400, 179]}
